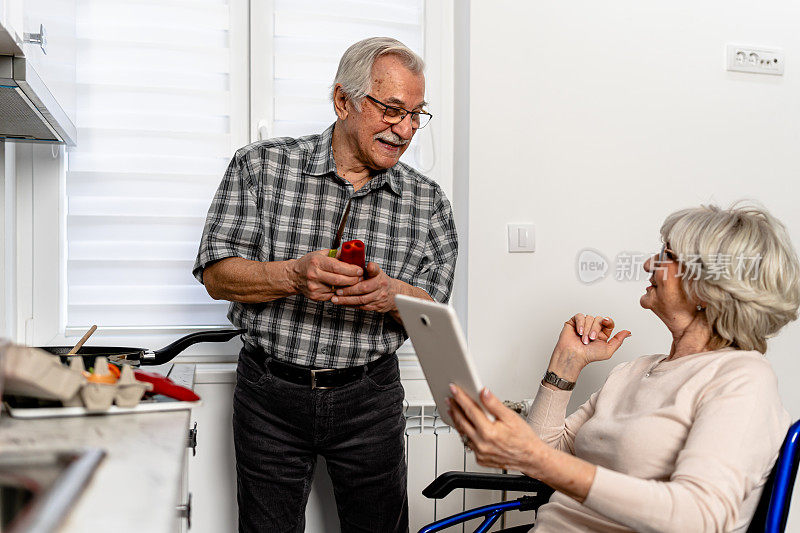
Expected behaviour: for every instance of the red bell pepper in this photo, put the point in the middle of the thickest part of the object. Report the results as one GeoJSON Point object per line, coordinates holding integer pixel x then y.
{"type": "Point", "coordinates": [353, 253]}
{"type": "Point", "coordinates": [167, 387]}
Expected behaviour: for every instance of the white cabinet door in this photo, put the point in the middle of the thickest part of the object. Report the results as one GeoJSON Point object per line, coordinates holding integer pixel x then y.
{"type": "Point", "coordinates": [212, 472]}
{"type": "Point", "coordinates": [56, 67]}
{"type": "Point", "coordinates": [11, 18]}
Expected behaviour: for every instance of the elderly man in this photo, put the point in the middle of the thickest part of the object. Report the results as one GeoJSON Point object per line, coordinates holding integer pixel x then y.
{"type": "Point", "coordinates": [318, 372]}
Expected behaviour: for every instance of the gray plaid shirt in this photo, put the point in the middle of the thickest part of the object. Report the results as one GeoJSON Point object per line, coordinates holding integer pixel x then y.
{"type": "Point", "coordinates": [281, 199]}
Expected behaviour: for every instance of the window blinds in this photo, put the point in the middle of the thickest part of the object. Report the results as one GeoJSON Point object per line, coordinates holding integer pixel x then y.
{"type": "Point", "coordinates": [154, 118]}
{"type": "Point", "coordinates": [157, 116]}
{"type": "Point", "coordinates": [310, 37]}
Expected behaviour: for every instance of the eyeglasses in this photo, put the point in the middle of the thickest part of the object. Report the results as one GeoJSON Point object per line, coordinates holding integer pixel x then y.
{"type": "Point", "coordinates": [666, 254]}
{"type": "Point", "coordinates": [395, 115]}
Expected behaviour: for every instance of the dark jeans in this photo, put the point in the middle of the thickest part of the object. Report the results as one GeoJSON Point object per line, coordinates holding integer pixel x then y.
{"type": "Point", "coordinates": [279, 428]}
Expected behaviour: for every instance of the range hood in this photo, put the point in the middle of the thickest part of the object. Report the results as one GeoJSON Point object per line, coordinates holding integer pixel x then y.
{"type": "Point", "coordinates": [28, 111]}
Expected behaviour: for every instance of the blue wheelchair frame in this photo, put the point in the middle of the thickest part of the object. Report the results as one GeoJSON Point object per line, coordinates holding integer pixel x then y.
{"type": "Point", "coordinates": [770, 515]}
{"type": "Point", "coordinates": [784, 472]}
{"type": "Point", "coordinates": [449, 481]}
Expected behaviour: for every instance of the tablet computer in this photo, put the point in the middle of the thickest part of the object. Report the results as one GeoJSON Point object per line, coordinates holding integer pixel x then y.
{"type": "Point", "coordinates": [441, 349]}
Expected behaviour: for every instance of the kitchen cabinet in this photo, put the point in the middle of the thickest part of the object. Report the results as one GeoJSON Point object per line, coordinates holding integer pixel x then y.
{"type": "Point", "coordinates": [212, 472]}
{"type": "Point", "coordinates": [11, 24]}
{"type": "Point", "coordinates": [54, 61]}
{"type": "Point", "coordinates": [137, 485]}
{"type": "Point", "coordinates": [38, 50]}
{"type": "Point", "coordinates": [141, 484]}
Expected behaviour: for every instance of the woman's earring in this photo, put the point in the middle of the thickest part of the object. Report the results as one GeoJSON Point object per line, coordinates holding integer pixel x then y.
{"type": "Point", "coordinates": [700, 307]}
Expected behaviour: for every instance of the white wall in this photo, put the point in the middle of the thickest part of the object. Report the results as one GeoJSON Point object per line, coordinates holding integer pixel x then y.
{"type": "Point", "coordinates": [594, 124]}
{"type": "Point", "coordinates": [594, 120]}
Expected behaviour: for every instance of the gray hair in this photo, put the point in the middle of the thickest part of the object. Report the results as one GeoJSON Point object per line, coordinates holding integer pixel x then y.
{"type": "Point", "coordinates": [744, 306]}
{"type": "Point", "coordinates": [355, 67]}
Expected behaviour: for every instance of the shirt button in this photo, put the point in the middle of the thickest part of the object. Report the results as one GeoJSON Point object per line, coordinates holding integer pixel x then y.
{"type": "Point", "coordinates": [324, 350]}
{"type": "Point", "coordinates": [647, 375]}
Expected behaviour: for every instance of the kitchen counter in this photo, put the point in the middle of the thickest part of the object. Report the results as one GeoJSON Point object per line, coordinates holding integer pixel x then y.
{"type": "Point", "coordinates": [137, 486]}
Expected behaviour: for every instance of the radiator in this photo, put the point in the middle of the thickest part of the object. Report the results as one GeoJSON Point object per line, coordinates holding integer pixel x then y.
{"type": "Point", "coordinates": [433, 447]}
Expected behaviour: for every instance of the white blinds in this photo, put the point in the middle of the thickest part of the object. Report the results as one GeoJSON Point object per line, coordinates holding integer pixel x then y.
{"type": "Point", "coordinates": [309, 38]}
{"type": "Point", "coordinates": [154, 137]}
{"type": "Point", "coordinates": [158, 120]}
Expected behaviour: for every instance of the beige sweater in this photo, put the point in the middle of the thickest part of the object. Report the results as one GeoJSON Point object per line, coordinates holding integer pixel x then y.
{"type": "Point", "coordinates": [683, 445]}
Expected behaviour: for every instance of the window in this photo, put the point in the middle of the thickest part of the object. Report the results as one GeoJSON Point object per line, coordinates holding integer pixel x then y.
{"type": "Point", "coordinates": [167, 91]}
{"type": "Point", "coordinates": [157, 121]}
{"type": "Point", "coordinates": [294, 62]}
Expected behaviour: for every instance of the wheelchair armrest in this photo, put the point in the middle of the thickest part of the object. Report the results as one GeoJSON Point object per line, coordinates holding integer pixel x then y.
{"type": "Point", "coordinates": [449, 481]}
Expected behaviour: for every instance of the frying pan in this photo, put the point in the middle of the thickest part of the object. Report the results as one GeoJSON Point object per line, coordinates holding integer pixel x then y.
{"type": "Point", "coordinates": [143, 356]}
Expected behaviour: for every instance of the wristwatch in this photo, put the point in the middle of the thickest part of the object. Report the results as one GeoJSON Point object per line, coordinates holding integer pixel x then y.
{"type": "Point", "coordinates": [561, 383]}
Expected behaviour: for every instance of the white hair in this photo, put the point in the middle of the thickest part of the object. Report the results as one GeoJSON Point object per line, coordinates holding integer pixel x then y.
{"type": "Point", "coordinates": [741, 263]}
{"type": "Point", "coordinates": [355, 68]}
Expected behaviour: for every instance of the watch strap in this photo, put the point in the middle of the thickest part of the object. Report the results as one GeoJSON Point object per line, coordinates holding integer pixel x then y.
{"type": "Point", "coordinates": [553, 379]}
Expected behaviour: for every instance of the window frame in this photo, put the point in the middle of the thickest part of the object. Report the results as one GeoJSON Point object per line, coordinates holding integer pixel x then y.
{"type": "Point", "coordinates": [41, 194]}
{"type": "Point", "coordinates": [7, 240]}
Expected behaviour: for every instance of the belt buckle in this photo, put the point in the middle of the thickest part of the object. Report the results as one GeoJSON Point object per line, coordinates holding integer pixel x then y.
{"type": "Point", "coordinates": [314, 377]}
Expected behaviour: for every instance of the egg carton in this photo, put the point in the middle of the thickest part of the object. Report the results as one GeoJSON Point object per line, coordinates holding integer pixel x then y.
{"type": "Point", "coordinates": [125, 392]}
{"type": "Point", "coordinates": [38, 374]}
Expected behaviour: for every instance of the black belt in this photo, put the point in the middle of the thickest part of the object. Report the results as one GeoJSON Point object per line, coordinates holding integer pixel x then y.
{"type": "Point", "coordinates": [322, 378]}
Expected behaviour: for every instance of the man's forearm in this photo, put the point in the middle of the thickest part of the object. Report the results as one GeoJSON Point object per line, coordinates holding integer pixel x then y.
{"type": "Point", "coordinates": [241, 280]}
{"type": "Point", "coordinates": [408, 290]}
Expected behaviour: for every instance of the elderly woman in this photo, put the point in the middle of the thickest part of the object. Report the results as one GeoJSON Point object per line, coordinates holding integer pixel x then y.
{"type": "Point", "coordinates": [676, 442]}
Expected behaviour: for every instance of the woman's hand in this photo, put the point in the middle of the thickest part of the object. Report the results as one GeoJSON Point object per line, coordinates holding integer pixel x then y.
{"type": "Point", "coordinates": [508, 442]}
{"type": "Point", "coordinates": [511, 444]}
{"type": "Point", "coordinates": [583, 340]}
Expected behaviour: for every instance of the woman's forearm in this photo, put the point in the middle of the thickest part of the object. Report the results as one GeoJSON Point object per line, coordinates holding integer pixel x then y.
{"type": "Point", "coordinates": [565, 365]}
{"type": "Point", "coordinates": [240, 280]}
{"type": "Point", "coordinates": [562, 471]}
{"type": "Point", "coordinates": [584, 339]}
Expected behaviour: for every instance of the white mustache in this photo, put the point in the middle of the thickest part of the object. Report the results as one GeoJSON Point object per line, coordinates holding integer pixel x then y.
{"type": "Point", "coordinates": [390, 137]}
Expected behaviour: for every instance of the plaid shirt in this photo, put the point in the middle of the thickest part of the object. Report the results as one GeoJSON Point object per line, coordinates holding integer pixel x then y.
{"type": "Point", "coordinates": [281, 199]}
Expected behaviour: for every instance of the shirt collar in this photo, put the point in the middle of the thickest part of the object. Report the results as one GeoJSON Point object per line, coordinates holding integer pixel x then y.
{"type": "Point", "coordinates": [320, 162]}
{"type": "Point", "coordinates": [390, 177]}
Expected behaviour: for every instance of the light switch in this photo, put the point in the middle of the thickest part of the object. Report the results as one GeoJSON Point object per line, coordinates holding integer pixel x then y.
{"type": "Point", "coordinates": [521, 238]}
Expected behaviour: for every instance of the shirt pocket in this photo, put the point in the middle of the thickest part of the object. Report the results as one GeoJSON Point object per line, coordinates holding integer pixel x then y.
{"type": "Point", "coordinates": [399, 249]}
{"type": "Point", "coordinates": [291, 237]}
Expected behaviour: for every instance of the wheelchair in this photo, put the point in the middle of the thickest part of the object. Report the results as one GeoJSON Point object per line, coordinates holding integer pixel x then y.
{"type": "Point", "coordinates": [770, 515]}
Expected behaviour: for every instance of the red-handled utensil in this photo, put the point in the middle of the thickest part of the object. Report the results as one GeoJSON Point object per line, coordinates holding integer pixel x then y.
{"type": "Point", "coordinates": [167, 387]}
{"type": "Point", "coordinates": [338, 238]}
{"type": "Point", "coordinates": [353, 253]}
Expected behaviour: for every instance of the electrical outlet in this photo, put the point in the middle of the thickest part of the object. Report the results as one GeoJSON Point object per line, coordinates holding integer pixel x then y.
{"type": "Point", "coordinates": [755, 59]}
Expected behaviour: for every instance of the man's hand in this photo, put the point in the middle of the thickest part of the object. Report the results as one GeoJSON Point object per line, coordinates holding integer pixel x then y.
{"type": "Point", "coordinates": [315, 275]}
{"type": "Point", "coordinates": [375, 293]}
